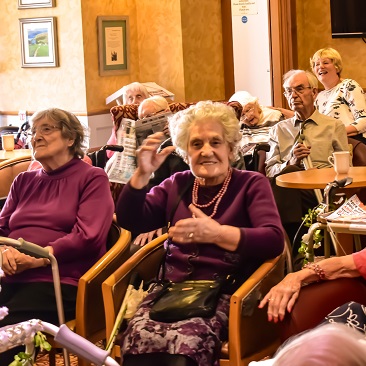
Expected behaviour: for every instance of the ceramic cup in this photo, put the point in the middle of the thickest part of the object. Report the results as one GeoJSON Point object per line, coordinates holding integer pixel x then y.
{"type": "Point", "coordinates": [7, 142]}
{"type": "Point", "coordinates": [340, 161]}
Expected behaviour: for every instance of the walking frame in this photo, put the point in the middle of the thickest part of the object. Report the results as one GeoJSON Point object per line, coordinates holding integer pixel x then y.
{"type": "Point", "coordinates": [23, 333]}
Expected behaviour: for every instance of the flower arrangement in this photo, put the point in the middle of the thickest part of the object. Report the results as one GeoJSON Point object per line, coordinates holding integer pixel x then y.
{"type": "Point", "coordinates": [309, 219]}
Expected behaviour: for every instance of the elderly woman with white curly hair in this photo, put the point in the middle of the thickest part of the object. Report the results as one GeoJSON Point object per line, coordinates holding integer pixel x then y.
{"type": "Point", "coordinates": [224, 223]}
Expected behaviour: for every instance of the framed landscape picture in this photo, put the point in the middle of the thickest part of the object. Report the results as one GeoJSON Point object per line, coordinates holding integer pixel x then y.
{"type": "Point", "coordinates": [38, 38]}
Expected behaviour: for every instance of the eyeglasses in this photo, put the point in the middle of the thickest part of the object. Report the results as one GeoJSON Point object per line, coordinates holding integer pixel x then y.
{"type": "Point", "coordinates": [44, 130]}
{"type": "Point", "coordinates": [300, 89]}
{"type": "Point", "coordinates": [248, 113]}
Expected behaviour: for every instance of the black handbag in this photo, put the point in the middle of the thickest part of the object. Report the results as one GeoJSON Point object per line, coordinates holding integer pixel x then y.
{"type": "Point", "coordinates": [188, 299]}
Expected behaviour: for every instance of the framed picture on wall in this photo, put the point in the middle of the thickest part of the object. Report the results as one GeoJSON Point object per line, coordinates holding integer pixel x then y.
{"type": "Point", "coordinates": [38, 38]}
{"type": "Point", "coordinates": [113, 45]}
{"type": "Point", "coordinates": [28, 4]}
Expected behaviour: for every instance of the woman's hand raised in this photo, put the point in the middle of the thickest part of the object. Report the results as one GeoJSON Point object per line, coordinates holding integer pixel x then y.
{"type": "Point", "coordinates": [149, 159]}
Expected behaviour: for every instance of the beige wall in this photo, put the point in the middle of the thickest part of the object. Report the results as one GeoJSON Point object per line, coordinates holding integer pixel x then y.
{"type": "Point", "coordinates": [202, 50]}
{"type": "Point", "coordinates": [100, 87]}
{"type": "Point", "coordinates": [34, 88]}
{"type": "Point", "coordinates": [160, 44]}
{"type": "Point", "coordinates": [176, 43]}
{"type": "Point", "coordinates": [314, 32]}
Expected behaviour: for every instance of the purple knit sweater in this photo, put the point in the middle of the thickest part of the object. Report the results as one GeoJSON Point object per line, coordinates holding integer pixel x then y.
{"type": "Point", "coordinates": [70, 209]}
{"type": "Point", "coordinates": [247, 204]}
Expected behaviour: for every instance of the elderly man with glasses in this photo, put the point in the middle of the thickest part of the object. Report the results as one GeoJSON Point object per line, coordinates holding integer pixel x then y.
{"type": "Point", "coordinates": [308, 136]}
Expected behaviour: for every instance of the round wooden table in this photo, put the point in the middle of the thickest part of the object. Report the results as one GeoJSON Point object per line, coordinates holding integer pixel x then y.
{"type": "Point", "coordinates": [319, 178]}
{"type": "Point", "coordinates": [17, 153]}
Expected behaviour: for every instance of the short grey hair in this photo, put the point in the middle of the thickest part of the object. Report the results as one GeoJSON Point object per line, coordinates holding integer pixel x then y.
{"type": "Point", "coordinates": [71, 128]}
{"type": "Point", "coordinates": [313, 81]}
{"type": "Point", "coordinates": [181, 123]}
{"type": "Point", "coordinates": [136, 87]}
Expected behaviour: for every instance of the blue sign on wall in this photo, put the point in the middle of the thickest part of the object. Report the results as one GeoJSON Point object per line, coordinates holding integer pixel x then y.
{"type": "Point", "coordinates": [244, 19]}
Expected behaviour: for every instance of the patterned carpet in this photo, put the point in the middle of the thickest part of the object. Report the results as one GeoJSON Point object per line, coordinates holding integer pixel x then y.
{"type": "Point", "coordinates": [42, 360]}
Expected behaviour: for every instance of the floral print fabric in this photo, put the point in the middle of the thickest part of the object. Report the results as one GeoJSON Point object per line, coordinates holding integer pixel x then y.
{"type": "Point", "coordinates": [198, 338]}
{"type": "Point", "coordinates": [346, 101]}
{"type": "Point", "coordinates": [351, 314]}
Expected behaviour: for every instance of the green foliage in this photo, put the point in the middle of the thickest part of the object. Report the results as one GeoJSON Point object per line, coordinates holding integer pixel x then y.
{"type": "Point", "coordinates": [40, 340]}
{"type": "Point", "coordinates": [309, 219]}
{"type": "Point", "coordinates": [23, 358]}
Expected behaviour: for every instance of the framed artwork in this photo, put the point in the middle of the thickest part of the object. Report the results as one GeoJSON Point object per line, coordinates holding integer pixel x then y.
{"type": "Point", "coordinates": [38, 42]}
{"type": "Point", "coordinates": [113, 45]}
{"type": "Point", "coordinates": [28, 4]}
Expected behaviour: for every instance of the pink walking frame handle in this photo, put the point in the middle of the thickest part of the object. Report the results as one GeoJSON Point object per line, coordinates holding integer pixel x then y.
{"type": "Point", "coordinates": [82, 347]}
{"type": "Point", "coordinates": [23, 334]}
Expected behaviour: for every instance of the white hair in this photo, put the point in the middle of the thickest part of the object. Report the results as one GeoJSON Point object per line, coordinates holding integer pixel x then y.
{"type": "Point", "coordinates": [330, 344]}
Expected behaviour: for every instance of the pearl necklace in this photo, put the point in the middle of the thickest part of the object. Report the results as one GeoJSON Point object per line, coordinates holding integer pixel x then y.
{"type": "Point", "coordinates": [216, 199]}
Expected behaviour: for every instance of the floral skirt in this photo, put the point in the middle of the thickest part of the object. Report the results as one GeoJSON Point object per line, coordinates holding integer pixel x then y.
{"type": "Point", "coordinates": [197, 338]}
{"type": "Point", "coordinates": [351, 314]}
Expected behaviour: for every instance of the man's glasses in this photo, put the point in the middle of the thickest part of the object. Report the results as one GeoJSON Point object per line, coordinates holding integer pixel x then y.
{"type": "Point", "coordinates": [44, 130]}
{"type": "Point", "coordinates": [300, 89]}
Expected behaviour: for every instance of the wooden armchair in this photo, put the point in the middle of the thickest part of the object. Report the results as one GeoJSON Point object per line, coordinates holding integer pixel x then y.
{"type": "Point", "coordinates": [89, 319]}
{"type": "Point", "coordinates": [251, 336]}
{"type": "Point", "coordinates": [9, 169]}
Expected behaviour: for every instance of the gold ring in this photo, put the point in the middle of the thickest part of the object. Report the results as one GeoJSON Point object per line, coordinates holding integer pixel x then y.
{"type": "Point", "coordinates": [190, 235]}
{"type": "Point", "coordinates": [270, 299]}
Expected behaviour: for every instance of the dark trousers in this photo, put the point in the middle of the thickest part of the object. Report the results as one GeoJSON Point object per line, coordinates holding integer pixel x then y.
{"type": "Point", "coordinates": [293, 205]}
{"type": "Point", "coordinates": [33, 301]}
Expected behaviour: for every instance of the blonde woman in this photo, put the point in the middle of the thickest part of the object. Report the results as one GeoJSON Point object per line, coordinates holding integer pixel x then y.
{"type": "Point", "coordinates": [343, 99]}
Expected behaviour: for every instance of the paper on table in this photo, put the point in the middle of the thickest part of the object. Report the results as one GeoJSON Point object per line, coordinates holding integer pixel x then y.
{"type": "Point", "coordinates": [352, 211]}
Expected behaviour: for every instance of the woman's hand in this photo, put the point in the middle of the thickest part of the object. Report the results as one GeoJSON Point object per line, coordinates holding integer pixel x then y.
{"type": "Point", "coordinates": [203, 229]}
{"type": "Point", "coordinates": [149, 160]}
{"type": "Point", "coordinates": [17, 262]}
{"type": "Point", "coordinates": [282, 297]}
{"type": "Point", "coordinates": [145, 238]}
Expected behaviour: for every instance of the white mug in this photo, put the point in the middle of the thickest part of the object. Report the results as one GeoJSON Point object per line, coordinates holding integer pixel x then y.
{"type": "Point", "coordinates": [340, 161]}
{"type": "Point", "coordinates": [7, 141]}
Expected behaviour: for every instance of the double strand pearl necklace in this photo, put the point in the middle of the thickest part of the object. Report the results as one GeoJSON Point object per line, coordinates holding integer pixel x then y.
{"type": "Point", "coordinates": [216, 199]}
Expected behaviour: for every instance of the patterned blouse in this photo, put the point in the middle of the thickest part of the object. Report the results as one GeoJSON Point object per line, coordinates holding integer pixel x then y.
{"type": "Point", "coordinates": [346, 101]}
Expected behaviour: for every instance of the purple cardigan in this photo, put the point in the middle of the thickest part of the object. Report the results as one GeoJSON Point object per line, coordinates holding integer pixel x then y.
{"type": "Point", "coordinates": [70, 209]}
{"type": "Point", "coordinates": [247, 204]}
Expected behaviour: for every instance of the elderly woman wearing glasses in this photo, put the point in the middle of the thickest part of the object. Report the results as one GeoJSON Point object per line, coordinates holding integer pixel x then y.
{"type": "Point", "coordinates": [255, 123]}
{"type": "Point", "coordinates": [55, 207]}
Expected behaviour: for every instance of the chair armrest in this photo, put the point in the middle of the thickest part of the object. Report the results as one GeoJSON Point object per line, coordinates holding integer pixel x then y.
{"type": "Point", "coordinates": [89, 301]}
{"type": "Point", "coordinates": [251, 336]}
{"type": "Point", "coordinates": [317, 300]}
{"type": "Point", "coordinates": [145, 262]}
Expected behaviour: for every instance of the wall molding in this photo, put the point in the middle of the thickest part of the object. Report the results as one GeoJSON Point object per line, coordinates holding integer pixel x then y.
{"type": "Point", "coordinates": [81, 114]}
